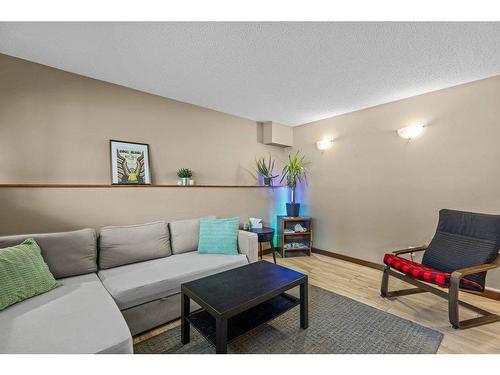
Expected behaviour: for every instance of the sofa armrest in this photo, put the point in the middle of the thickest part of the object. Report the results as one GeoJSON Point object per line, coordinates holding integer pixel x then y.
{"type": "Point", "coordinates": [248, 244]}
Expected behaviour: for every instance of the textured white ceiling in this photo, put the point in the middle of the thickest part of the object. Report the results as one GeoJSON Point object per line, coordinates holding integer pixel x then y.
{"type": "Point", "coordinates": [291, 73]}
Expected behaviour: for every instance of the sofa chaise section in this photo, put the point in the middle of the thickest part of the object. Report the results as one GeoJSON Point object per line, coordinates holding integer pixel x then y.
{"type": "Point", "coordinates": [78, 317]}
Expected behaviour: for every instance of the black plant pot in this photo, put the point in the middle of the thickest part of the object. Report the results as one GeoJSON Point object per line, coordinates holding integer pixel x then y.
{"type": "Point", "coordinates": [292, 209]}
{"type": "Point", "coordinates": [267, 181]}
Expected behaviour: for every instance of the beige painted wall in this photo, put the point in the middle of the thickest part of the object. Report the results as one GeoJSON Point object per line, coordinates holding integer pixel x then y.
{"type": "Point", "coordinates": [370, 193]}
{"type": "Point", "coordinates": [47, 210]}
{"type": "Point", "coordinates": [373, 191]}
{"type": "Point", "coordinates": [55, 128]}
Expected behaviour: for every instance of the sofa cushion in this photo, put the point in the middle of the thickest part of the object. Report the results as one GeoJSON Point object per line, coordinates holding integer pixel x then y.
{"type": "Point", "coordinates": [78, 317]}
{"type": "Point", "coordinates": [185, 235]}
{"type": "Point", "coordinates": [23, 273]}
{"type": "Point", "coordinates": [143, 282]}
{"type": "Point", "coordinates": [66, 253]}
{"type": "Point", "coordinates": [119, 245]}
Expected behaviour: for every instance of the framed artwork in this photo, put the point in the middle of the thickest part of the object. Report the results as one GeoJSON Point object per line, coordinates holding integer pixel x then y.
{"type": "Point", "coordinates": [129, 163]}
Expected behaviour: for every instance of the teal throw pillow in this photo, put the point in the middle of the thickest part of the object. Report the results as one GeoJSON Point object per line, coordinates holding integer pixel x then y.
{"type": "Point", "coordinates": [219, 236]}
{"type": "Point", "coordinates": [23, 273]}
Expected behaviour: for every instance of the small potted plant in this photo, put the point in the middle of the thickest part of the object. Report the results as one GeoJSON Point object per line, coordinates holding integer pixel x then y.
{"type": "Point", "coordinates": [265, 169]}
{"type": "Point", "coordinates": [294, 172]}
{"type": "Point", "coordinates": [185, 175]}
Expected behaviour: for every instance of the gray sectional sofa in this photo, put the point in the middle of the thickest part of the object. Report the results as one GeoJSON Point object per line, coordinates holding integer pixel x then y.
{"type": "Point", "coordinates": [115, 284]}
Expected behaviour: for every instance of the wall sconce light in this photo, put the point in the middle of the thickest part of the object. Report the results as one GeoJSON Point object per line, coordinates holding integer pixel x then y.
{"type": "Point", "coordinates": [324, 144]}
{"type": "Point", "coordinates": [410, 132]}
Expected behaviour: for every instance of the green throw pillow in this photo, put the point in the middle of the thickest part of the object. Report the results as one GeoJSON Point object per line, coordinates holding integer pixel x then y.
{"type": "Point", "coordinates": [23, 273]}
{"type": "Point", "coordinates": [219, 236]}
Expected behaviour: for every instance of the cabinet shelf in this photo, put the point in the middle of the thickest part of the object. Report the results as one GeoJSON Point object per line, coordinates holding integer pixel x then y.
{"type": "Point", "coordinates": [296, 233]}
{"type": "Point", "coordinates": [303, 239]}
{"type": "Point", "coordinates": [298, 249]}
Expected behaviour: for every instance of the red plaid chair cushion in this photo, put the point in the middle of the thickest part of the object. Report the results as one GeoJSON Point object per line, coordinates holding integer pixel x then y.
{"type": "Point", "coordinates": [430, 275]}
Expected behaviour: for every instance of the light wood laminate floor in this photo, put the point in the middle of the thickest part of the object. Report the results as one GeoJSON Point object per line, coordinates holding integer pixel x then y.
{"type": "Point", "coordinates": [363, 284]}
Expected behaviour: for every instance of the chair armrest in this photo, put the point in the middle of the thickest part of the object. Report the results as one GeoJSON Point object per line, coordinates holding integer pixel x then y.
{"type": "Point", "coordinates": [410, 250]}
{"type": "Point", "coordinates": [458, 274]}
{"type": "Point", "coordinates": [248, 244]}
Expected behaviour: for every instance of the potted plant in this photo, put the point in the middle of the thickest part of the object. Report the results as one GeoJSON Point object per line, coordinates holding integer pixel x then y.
{"type": "Point", "coordinates": [185, 175]}
{"type": "Point", "coordinates": [294, 172]}
{"type": "Point", "coordinates": [265, 169]}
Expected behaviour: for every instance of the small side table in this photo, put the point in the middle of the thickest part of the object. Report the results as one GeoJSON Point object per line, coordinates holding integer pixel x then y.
{"type": "Point", "coordinates": [265, 234]}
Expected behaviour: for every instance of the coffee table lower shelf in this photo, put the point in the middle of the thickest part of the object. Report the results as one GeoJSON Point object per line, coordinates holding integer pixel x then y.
{"type": "Point", "coordinates": [245, 321]}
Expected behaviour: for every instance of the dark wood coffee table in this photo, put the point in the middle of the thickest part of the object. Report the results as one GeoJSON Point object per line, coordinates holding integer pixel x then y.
{"type": "Point", "coordinates": [235, 301]}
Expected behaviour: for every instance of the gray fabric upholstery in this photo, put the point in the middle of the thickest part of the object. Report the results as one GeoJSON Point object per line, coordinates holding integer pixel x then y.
{"type": "Point", "coordinates": [66, 253]}
{"type": "Point", "coordinates": [78, 317]}
{"type": "Point", "coordinates": [248, 244]}
{"type": "Point", "coordinates": [185, 235]}
{"type": "Point", "coordinates": [138, 283]}
{"type": "Point", "coordinates": [119, 245]}
{"type": "Point", "coordinates": [149, 315]}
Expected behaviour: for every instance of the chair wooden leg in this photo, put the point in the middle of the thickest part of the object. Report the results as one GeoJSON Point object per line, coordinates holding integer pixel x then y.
{"type": "Point", "coordinates": [404, 292]}
{"type": "Point", "coordinates": [453, 305]}
{"type": "Point", "coordinates": [452, 296]}
{"type": "Point", "coordinates": [384, 287]}
{"type": "Point", "coordinates": [385, 282]}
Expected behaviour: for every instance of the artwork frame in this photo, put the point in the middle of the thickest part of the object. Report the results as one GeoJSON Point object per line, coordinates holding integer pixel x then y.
{"type": "Point", "coordinates": [125, 158]}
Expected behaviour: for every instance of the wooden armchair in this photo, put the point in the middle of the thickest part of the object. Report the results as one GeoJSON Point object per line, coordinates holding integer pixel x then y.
{"type": "Point", "coordinates": [463, 249]}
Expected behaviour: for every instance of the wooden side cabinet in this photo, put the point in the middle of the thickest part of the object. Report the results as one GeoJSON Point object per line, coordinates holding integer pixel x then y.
{"type": "Point", "coordinates": [291, 240]}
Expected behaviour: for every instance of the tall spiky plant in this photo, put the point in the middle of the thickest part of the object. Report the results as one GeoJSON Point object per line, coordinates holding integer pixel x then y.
{"type": "Point", "coordinates": [265, 169]}
{"type": "Point", "coordinates": [294, 171]}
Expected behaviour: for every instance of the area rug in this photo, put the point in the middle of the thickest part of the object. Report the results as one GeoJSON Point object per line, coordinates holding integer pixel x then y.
{"type": "Point", "coordinates": [337, 325]}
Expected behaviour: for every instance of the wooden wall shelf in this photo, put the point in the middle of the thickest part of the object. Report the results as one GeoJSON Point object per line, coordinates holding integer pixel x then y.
{"type": "Point", "coordinates": [107, 186]}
